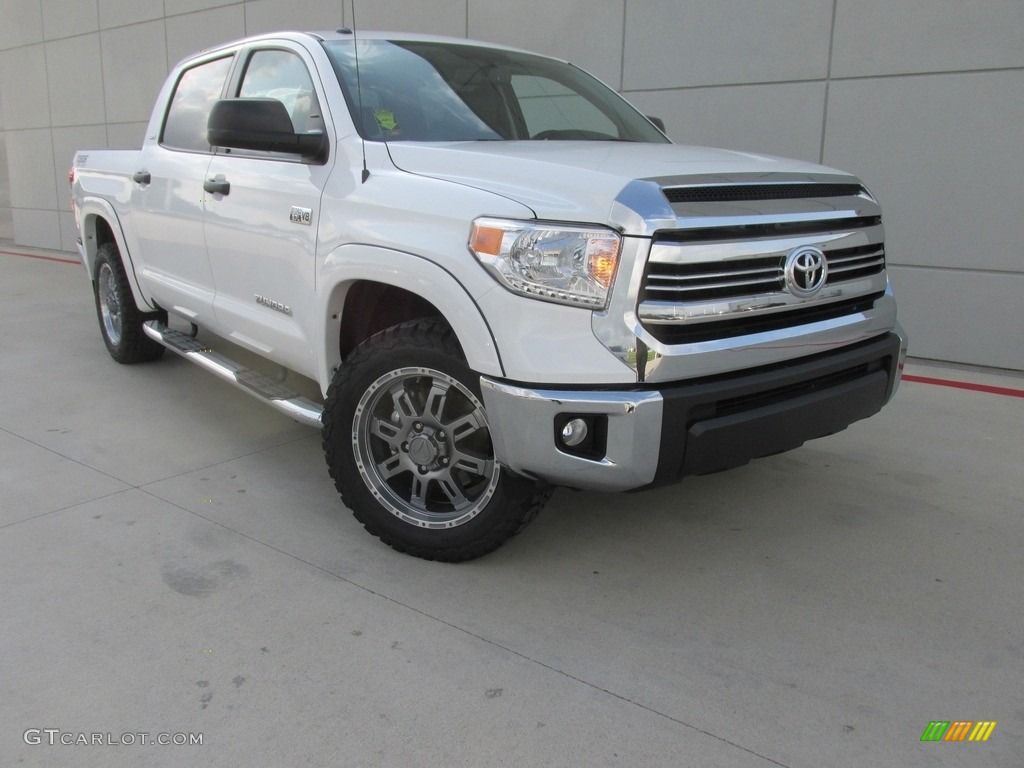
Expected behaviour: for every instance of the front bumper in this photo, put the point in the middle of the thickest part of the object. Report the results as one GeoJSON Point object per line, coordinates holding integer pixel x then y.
{"type": "Point", "coordinates": [656, 436]}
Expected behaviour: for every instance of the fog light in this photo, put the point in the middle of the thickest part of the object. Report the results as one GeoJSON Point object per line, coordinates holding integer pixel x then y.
{"type": "Point", "coordinates": [574, 432]}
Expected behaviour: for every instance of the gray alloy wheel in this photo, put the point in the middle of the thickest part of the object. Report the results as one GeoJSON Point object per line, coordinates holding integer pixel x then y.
{"type": "Point", "coordinates": [421, 443]}
{"type": "Point", "coordinates": [120, 319]}
{"type": "Point", "coordinates": [407, 443]}
{"type": "Point", "coordinates": [109, 304]}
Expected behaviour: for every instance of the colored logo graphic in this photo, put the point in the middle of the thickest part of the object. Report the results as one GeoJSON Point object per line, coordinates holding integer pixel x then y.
{"type": "Point", "coordinates": [958, 730]}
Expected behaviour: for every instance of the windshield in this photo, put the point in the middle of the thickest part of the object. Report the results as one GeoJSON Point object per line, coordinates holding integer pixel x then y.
{"type": "Point", "coordinates": [433, 91]}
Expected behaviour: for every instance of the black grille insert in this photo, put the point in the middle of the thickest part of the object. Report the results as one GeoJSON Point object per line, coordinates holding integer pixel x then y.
{"type": "Point", "coordinates": [738, 192]}
{"type": "Point", "coordinates": [751, 231]}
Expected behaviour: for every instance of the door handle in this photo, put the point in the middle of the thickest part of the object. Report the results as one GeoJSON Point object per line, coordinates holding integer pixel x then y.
{"type": "Point", "coordinates": [217, 186]}
{"type": "Point", "coordinates": [142, 177]}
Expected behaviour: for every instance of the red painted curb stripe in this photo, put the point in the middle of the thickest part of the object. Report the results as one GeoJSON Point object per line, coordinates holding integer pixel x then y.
{"type": "Point", "coordinates": [1007, 391]}
{"type": "Point", "coordinates": [43, 258]}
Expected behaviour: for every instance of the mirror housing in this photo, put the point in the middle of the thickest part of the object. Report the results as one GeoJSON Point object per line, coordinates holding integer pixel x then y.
{"type": "Point", "coordinates": [657, 122]}
{"type": "Point", "coordinates": [262, 125]}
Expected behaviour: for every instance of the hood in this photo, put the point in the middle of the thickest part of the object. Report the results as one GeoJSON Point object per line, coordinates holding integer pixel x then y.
{"type": "Point", "coordinates": [578, 180]}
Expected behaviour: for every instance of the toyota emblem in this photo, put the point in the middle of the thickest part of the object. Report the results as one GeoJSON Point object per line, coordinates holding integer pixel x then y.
{"type": "Point", "coordinates": [806, 271]}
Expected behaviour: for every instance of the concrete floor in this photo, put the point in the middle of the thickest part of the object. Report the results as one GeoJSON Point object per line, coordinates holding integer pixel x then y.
{"type": "Point", "coordinates": [174, 559]}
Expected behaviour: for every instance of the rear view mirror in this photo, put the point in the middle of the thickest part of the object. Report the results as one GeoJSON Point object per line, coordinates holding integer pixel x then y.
{"type": "Point", "coordinates": [262, 125]}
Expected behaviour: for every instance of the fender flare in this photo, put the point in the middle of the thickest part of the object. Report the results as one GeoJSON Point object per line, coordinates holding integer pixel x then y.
{"type": "Point", "coordinates": [349, 264]}
{"type": "Point", "coordinates": [91, 208]}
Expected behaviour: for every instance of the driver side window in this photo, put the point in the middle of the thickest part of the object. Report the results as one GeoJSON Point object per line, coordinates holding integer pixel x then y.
{"type": "Point", "coordinates": [281, 75]}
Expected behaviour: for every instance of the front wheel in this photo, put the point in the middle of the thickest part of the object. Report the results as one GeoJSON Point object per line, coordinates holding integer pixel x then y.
{"type": "Point", "coordinates": [120, 319]}
{"type": "Point", "coordinates": [408, 445]}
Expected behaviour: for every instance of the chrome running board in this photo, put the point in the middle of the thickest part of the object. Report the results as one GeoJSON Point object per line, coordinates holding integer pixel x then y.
{"type": "Point", "coordinates": [274, 394]}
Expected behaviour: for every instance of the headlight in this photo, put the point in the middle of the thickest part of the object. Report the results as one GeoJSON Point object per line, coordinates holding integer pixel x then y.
{"type": "Point", "coordinates": [550, 261]}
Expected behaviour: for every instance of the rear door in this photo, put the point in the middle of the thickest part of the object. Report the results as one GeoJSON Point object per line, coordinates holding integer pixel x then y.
{"type": "Point", "coordinates": [261, 233]}
{"type": "Point", "coordinates": [168, 199]}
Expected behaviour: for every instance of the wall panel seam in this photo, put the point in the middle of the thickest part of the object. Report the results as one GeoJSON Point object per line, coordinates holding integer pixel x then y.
{"type": "Point", "coordinates": [199, 10]}
{"type": "Point", "coordinates": [828, 82]}
{"type": "Point", "coordinates": [972, 270]}
{"type": "Point", "coordinates": [833, 79]}
{"type": "Point", "coordinates": [622, 49]}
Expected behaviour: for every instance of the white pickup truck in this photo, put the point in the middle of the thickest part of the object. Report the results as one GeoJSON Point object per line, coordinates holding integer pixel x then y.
{"type": "Point", "coordinates": [500, 275]}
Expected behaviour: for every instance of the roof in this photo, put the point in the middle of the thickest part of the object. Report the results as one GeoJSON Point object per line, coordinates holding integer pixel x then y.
{"type": "Point", "coordinates": [346, 34]}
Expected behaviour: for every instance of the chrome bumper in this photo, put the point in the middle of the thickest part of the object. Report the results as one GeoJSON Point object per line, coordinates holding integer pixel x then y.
{"type": "Point", "coordinates": [522, 431]}
{"type": "Point", "coordinates": [655, 437]}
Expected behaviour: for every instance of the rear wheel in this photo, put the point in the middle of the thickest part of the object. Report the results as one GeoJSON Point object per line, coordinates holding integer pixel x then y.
{"type": "Point", "coordinates": [120, 319]}
{"type": "Point", "coordinates": [408, 445]}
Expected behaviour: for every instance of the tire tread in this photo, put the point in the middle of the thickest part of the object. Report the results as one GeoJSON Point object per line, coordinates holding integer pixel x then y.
{"type": "Point", "coordinates": [135, 346]}
{"type": "Point", "coordinates": [524, 498]}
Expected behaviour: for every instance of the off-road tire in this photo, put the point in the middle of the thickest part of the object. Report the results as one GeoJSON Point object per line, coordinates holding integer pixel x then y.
{"type": "Point", "coordinates": [406, 441]}
{"type": "Point", "coordinates": [120, 319]}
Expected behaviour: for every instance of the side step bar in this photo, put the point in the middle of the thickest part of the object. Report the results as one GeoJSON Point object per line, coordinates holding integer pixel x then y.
{"type": "Point", "coordinates": [286, 400]}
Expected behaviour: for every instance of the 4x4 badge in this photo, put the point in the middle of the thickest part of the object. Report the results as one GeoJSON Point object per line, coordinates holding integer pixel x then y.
{"type": "Point", "coordinates": [301, 215]}
{"type": "Point", "coordinates": [806, 271]}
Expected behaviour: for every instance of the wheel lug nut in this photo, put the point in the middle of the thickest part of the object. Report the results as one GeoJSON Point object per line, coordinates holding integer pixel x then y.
{"type": "Point", "coordinates": [418, 427]}
{"type": "Point", "coordinates": [440, 435]}
{"type": "Point", "coordinates": [423, 470]}
{"type": "Point", "coordinates": [444, 460]}
{"type": "Point", "coordinates": [405, 447]}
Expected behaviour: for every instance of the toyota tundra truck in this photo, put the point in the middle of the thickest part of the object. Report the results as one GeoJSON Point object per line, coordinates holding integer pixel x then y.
{"type": "Point", "coordinates": [499, 276]}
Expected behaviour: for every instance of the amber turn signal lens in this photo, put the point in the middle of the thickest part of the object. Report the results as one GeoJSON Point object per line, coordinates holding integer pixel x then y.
{"type": "Point", "coordinates": [486, 240]}
{"type": "Point", "coordinates": [603, 261]}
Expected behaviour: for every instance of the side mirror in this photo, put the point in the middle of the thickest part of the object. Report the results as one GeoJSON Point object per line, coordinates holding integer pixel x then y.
{"type": "Point", "coordinates": [262, 125]}
{"type": "Point", "coordinates": [658, 123]}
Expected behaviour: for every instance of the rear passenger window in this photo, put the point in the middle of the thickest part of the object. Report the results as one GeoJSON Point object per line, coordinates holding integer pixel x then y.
{"type": "Point", "coordinates": [281, 75]}
{"type": "Point", "coordinates": [197, 90]}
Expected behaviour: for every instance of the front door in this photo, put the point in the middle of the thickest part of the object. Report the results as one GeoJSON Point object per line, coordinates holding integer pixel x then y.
{"type": "Point", "coordinates": [261, 231]}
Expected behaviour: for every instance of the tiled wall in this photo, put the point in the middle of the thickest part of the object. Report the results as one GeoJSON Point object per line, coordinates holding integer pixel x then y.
{"type": "Point", "coordinates": [922, 98]}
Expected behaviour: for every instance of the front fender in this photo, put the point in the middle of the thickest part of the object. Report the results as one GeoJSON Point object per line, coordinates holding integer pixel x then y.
{"type": "Point", "coordinates": [90, 210]}
{"type": "Point", "coordinates": [353, 263]}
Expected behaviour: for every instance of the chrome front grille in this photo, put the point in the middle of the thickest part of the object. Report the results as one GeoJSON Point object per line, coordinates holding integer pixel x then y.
{"type": "Point", "coordinates": [705, 281]}
{"type": "Point", "coordinates": [721, 271]}
{"type": "Point", "coordinates": [699, 282]}
{"type": "Point", "coordinates": [851, 263]}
